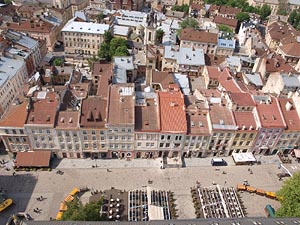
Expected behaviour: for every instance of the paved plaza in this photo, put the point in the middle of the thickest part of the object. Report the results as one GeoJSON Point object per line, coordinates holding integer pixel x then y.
{"type": "Point", "coordinates": [26, 187]}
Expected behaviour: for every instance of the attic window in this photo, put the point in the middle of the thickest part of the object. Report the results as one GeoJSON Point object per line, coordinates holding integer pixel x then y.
{"type": "Point", "coordinates": [71, 120]}
{"type": "Point", "coordinates": [62, 120]}
{"type": "Point", "coordinates": [48, 118]}
{"type": "Point", "coordinates": [32, 118]}
{"type": "Point", "coordinates": [146, 123]}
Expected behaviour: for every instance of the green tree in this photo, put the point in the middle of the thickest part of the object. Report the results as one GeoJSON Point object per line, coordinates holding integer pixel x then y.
{"type": "Point", "coordinates": [265, 11]}
{"type": "Point", "coordinates": [292, 17]}
{"type": "Point", "coordinates": [100, 17]}
{"type": "Point", "coordinates": [225, 28]}
{"type": "Point", "coordinates": [188, 23]}
{"type": "Point", "coordinates": [242, 16]}
{"type": "Point", "coordinates": [7, 2]}
{"type": "Point", "coordinates": [58, 62]}
{"type": "Point", "coordinates": [290, 193]}
{"type": "Point", "coordinates": [283, 7]}
{"type": "Point", "coordinates": [159, 36]}
{"type": "Point", "coordinates": [108, 35]}
{"type": "Point", "coordinates": [182, 8]}
{"type": "Point", "coordinates": [78, 212]}
{"type": "Point", "coordinates": [121, 51]}
{"type": "Point", "coordinates": [116, 43]}
{"type": "Point", "coordinates": [104, 51]}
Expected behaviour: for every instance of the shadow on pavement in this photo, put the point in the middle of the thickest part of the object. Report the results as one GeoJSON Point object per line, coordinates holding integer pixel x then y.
{"type": "Point", "coordinates": [19, 188]}
{"type": "Point", "coordinates": [55, 162]}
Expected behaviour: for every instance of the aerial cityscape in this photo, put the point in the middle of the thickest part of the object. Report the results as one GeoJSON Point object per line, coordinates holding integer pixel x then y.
{"type": "Point", "coordinates": [149, 112]}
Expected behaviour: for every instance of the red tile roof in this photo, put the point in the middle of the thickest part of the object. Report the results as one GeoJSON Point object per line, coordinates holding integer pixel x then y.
{"type": "Point", "coordinates": [105, 73]}
{"type": "Point", "coordinates": [68, 119]}
{"type": "Point", "coordinates": [189, 34]}
{"type": "Point", "coordinates": [289, 113]}
{"type": "Point", "coordinates": [93, 112]}
{"type": "Point", "coordinates": [16, 115]}
{"type": "Point", "coordinates": [270, 115]}
{"type": "Point", "coordinates": [34, 27]}
{"type": "Point", "coordinates": [242, 99]}
{"type": "Point", "coordinates": [225, 21]}
{"type": "Point", "coordinates": [227, 10]}
{"type": "Point", "coordinates": [121, 105]}
{"type": "Point", "coordinates": [221, 115]}
{"type": "Point", "coordinates": [283, 32]}
{"type": "Point", "coordinates": [278, 64]}
{"type": "Point", "coordinates": [245, 120]}
{"type": "Point", "coordinates": [172, 112]}
{"type": "Point", "coordinates": [33, 159]}
{"type": "Point", "coordinates": [43, 109]}
{"type": "Point", "coordinates": [291, 49]}
{"type": "Point", "coordinates": [163, 78]}
{"type": "Point", "coordinates": [213, 72]}
{"type": "Point", "coordinates": [228, 82]}
{"type": "Point", "coordinates": [147, 117]}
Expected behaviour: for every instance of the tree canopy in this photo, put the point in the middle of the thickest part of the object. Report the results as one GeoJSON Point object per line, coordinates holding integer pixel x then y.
{"type": "Point", "coordinates": [112, 46]}
{"type": "Point", "coordinates": [294, 19]}
{"type": "Point", "coordinates": [242, 16]}
{"type": "Point", "coordinates": [290, 193]}
{"type": "Point", "coordinates": [58, 62]}
{"type": "Point", "coordinates": [78, 212]}
{"type": "Point", "coordinates": [188, 23]}
{"type": "Point", "coordinates": [225, 28]}
{"type": "Point", "coordinates": [265, 11]}
{"type": "Point", "coordinates": [159, 36]}
{"type": "Point", "coordinates": [182, 8]}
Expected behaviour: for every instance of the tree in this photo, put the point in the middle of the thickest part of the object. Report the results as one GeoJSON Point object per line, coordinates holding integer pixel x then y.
{"type": "Point", "coordinates": [108, 35]}
{"type": "Point", "coordinates": [283, 7]}
{"type": "Point", "coordinates": [100, 17]}
{"type": "Point", "coordinates": [290, 193]}
{"type": "Point", "coordinates": [7, 2]}
{"type": "Point", "coordinates": [292, 17]}
{"type": "Point", "coordinates": [104, 51]}
{"type": "Point", "coordinates": [121, 51]}
{"type": "Point", "coordinates": [225, 28]}
{"type": "Point", "coordinates": [188, 23]}
{"type": "Point", "coordinates": [242, 16]}
{"type": "Point", "coordinates": [116, 43]}
{"type": "Point", "coordinates": [265, 11]}
{"type": "Point", "coordinates": [159, 36]}
{"type": "Point", "coordinates": [182, 8]}
{"type": "Point", "coordinates": [111, 47]}
{"type": "Point", "coordinates": [78, 212]}
{"type": "Point", "coordinates": [58, 62]}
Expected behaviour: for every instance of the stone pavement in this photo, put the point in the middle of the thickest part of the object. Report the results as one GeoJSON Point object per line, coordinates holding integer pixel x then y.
{"type": "Point", "coordinates": [26, 187]}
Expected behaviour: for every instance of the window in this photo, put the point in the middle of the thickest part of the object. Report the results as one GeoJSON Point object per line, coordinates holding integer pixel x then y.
{"type": "Point", "coordinates": [162, 137]}
{"type": "Point", "coordinates": [161, 145]}
{"type": "Point", "coordinates": [86, 146]}
{"type": "Point", "coordinates": [167, 145]}
{"type": "Point", "coordinates": [84, 132]}
{"type": "Point", "coordinates": [139, 144]}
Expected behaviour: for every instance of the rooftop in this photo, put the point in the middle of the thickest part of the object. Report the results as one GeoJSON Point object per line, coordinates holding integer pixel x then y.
{"type": "Point", "coordinates": [16, 114]}
{"type": "Point", "coordinates": [228, 10]}
{"type": "Point", "coordinates": [84, 27]}
{"type": "Point", "coordinates": [289, 113]}
{"type": "Point", "coordinates": [105, 73]}
{"type": "Point", "coordinates": [8, 68]}
{"type": "Point", "coordinates": [242, 99]}
{"type": "Point", "coordinates": [269, 114]}
{"type": "Point", "coordinates": [32, 26]}
{"type": "Point", "coordinates": [185, 56]}
{"type": "Point", "coordinates": [291, 49]}
{"type": "Point", "coordinates": [189, 34]}
{"type": "Point", "coordinates": [93, 112]}
{"type": "Point", "coordinates": [162, 78]}
{"type": "Point", "coordinates": [121, 104]}
{"type": "Point", "coordinates": [245, 120]}
{"type": "Point", "coordinates": [146, 116]}
{"type": "Point", "coordinates": [225, 21]}
{"type": "Point", "coordinates": [43, 108]}
{"type": "Point", "coordinates": [283, 32]}
{"type": "Point", "coordinates": [172, 112]}
{"type": "Point", "coordinates": [228, 82]}
{"type": "Point", "coordinates": [21, 39]}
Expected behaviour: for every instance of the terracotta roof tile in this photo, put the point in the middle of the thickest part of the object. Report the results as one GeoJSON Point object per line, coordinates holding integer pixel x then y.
{"type": "Point", "coordinates": [189, 34]}
{"type": "Point", "coordinates": [221, 115]}
{"type": "Point", "coordinates": [225, 21]}
{"type": "Point", "coordinates": [242, 99]}
{"type": "Point", "coordinates": [244, 120]}
{"type": "Point", "coordinates": [227, 10]}
{"type": "Point", "coordinates": [228, 82]}
{"type": "Point", "coordinates": [213, 72]}
{"type": "Point", "coordinates": [147, 117]}
{"type": "Point", "coordinates": [43, 108]}
{"type": "Point", "coordinates": [282, 32]}
{"type": "Point", "coordinates": [172, 112]}
{"type": "Point", "coordinates": [16, 115]}
{"type": "Point", "coordinates": [278, 64]}
{"type": "Point", "coordinates": [121, 104]}
{"type": "Point", "coordinates": [105, 73]}
{"type": "Point", "coordinates": [291, 49]}
{"type": "Point", "coordinates": [35, 27]}
{"type": "Point", "coordinates": [93, 112]}
{"type": "Point", "coordinates": [270, 115]}
{"type": "Point", "coordinates": [163, 78]}
{"type": "Point", "coordinates": [289, 113]}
